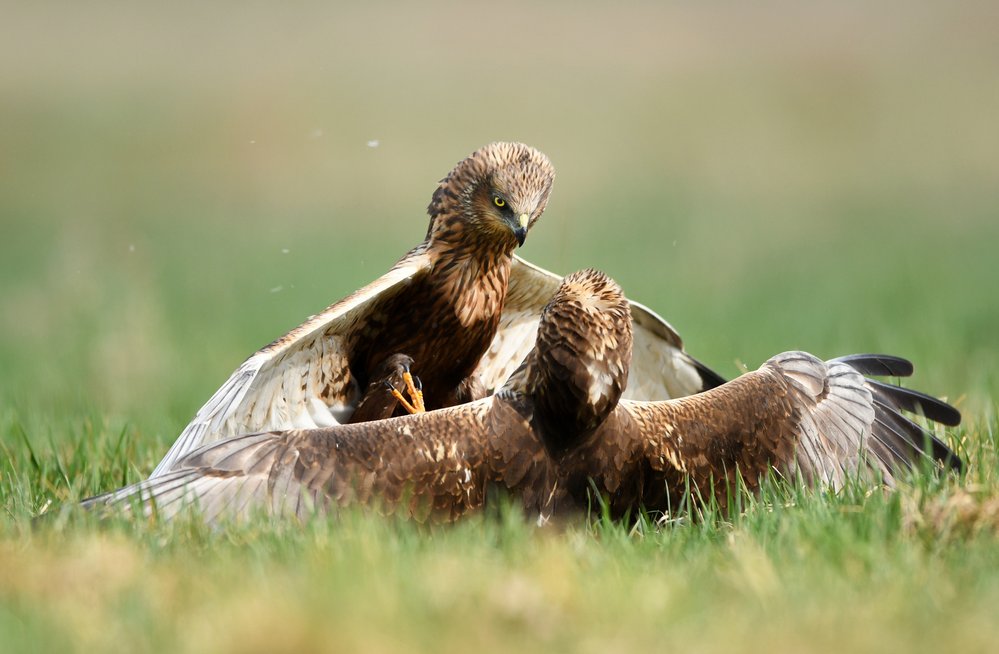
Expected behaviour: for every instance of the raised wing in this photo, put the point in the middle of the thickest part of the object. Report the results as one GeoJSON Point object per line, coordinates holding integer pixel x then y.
{"type": "Point", "coordinates": [300, 381]}
{"type": "Point", "coordinates": [660, 369]}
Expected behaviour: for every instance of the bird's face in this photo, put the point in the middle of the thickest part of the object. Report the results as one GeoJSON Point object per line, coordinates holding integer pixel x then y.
{"type": "Point", "coordinates": [498, 192]}
{"type": "Point", "coordinates": [500, 214]}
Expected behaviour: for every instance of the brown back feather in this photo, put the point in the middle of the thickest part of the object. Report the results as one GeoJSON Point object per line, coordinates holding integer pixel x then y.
{"type": "Point", "coordinates": [582, 356]}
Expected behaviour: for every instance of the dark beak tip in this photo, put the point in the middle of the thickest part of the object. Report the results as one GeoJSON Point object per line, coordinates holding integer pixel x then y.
{"type": "Point", "coordinates": [521, 234]}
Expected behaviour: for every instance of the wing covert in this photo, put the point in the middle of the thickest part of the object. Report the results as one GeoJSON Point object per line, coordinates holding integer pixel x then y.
{"type": "Point", "coordinates": [432, 462]}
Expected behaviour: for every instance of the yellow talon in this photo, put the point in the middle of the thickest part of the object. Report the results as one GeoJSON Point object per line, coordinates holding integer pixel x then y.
{"type": "Point", "coordinates": [415, 394]}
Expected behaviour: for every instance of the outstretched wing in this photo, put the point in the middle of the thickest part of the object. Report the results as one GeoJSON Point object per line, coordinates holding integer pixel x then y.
{"type": "Point", "coordinates": [660, 368]}
{"type": "Point", "coordinates": [849, 423]}
{"type": "Point", "coordinates": [432, 464]}
{"type": "Point", "coordinates": [797, 415]}
{"type": "Point", "coordinates": [300, 381]}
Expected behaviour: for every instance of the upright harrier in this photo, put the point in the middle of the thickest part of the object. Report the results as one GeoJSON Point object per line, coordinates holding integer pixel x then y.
{"type": "Point", "coordinates": [559, 427]}
{"type": "Point", "coordinates": [444, 308]}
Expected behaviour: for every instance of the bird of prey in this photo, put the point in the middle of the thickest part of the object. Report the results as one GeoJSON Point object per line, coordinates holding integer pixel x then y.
{"type": "Point", "coordinates": [459, 310]}
{"type": "Point", "coordinates": [559, 428]}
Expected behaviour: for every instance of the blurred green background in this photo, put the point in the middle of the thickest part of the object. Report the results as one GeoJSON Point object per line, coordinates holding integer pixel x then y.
{"type": "Point", "coordinates": [182, 182]}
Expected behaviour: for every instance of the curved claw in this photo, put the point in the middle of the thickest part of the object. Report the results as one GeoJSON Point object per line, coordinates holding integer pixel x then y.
{"type": "Point", "coordinates": [414, 387]}
{"type": "Point", "coordinates": [416, 393]}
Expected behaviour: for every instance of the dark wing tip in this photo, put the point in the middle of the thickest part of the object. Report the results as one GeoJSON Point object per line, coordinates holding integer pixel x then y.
{"type": "Point", "coordinates": [908, 440]}
{"type": "Point", "coordinates": [879, 365]}
{"type": "Point", "coordinates": [945, 455]}
{"type": "Point", "coordinates": [920, 403]}
{"type": "Point", "coordinates": [891, 400]}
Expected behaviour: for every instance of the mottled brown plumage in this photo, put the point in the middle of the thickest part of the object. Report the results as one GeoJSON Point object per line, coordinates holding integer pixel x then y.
{"type": "Point", "coordinates": [459, 309]}
{"type": "Point", "coordinates": [449, 312]}
{"type": "Point", "coordinates": [557, 430]}
{"type": "Point", "coordinates": [577, 372]}
{"type": "Point", "coordinates": [797, 416]}
{"type": "Point", "coordinates": [439, 308]}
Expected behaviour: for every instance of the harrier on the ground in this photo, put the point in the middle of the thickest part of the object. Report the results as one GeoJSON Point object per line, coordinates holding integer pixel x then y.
{"type": "Point", "coordinates": [559, 430]}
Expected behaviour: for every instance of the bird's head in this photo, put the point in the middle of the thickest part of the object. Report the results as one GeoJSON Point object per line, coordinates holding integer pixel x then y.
{"type": "Point", "coordinates": [493, 196]}
{"type": "Point", "coordinates": [583, 355]}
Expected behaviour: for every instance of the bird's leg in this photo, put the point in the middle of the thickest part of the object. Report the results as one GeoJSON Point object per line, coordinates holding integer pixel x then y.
{"type": "Point", "coordinates": [414, 387]}
{"type": "Point", "coordinates": [376, 403]}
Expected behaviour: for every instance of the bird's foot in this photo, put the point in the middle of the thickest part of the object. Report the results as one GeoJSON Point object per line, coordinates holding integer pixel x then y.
{"type": "Point", "coordinates": [414, 387]}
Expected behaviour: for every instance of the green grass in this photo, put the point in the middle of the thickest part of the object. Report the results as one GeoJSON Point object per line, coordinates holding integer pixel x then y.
{"type": "Point", "coordinates": [180, 185]}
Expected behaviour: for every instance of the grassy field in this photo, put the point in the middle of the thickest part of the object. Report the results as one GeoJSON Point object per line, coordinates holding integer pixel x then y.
{"type": "Point", "coordinates": [179, 185]}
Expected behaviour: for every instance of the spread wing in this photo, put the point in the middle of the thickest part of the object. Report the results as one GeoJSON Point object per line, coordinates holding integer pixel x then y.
{"type": "Point", "coordinates": [850, 422]}
{"type": "Point", "coordinates": [800, 416]}
{"type": "Point", "coordinates": [433, 464]}
{"type": "Point", "coordinates": [660, 368]}
{"type": "Point", "coordinates": [797, 415]}
{"type": "Point", "coordinates": [302, 380]}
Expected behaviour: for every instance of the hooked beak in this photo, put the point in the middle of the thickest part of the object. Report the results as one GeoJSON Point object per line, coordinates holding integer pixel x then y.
{"type": "Point", "coordinates": [521, 230]}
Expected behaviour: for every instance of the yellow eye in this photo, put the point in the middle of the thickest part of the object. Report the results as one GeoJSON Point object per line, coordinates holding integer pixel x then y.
{"type": "Point", "coordinates": [498, 201]}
